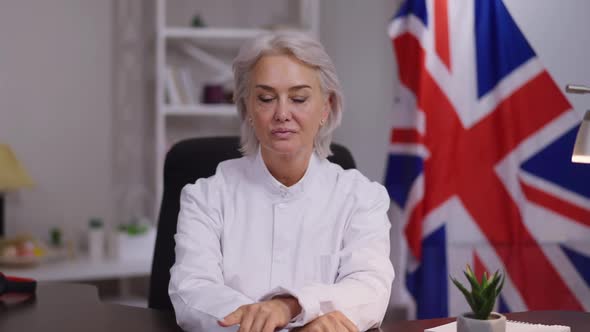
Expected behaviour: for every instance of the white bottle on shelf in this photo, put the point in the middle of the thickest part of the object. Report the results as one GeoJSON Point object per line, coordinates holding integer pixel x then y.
{"type": "Point", "coordinates": [96, 236]}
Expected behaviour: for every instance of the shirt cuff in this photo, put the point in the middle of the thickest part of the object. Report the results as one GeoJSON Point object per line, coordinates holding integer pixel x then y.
{"type": "Point", "coordinates": [310, 307]}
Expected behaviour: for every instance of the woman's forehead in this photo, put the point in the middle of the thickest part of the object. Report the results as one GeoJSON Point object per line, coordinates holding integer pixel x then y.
{"type": "Point", "coordinates": [283, 72]}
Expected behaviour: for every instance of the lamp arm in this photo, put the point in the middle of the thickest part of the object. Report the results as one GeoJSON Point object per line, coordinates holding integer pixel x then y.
{"type": "Point", "coordinates": [576, 88]}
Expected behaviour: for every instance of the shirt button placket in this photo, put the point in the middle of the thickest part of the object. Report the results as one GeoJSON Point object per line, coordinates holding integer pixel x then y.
{"type": "Point", "coordinates": [279, 243]}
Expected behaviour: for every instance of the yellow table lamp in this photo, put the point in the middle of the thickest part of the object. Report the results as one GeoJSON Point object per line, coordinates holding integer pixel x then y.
{"type": "Point", "coordinates": [12, 177]}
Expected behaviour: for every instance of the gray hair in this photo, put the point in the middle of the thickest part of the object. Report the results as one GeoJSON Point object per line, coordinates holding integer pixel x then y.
{"type": "Point", "coordinates": [307, 50]}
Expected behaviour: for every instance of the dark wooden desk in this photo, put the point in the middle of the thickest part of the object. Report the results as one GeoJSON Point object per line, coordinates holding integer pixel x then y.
{"type": "Point", "coordinates": [578, 321]}
{"type": "Point", "coordinates": [75, 307]}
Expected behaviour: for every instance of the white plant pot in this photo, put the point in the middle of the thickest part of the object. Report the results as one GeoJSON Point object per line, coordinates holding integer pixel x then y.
{"type": "Point", "coordinates": [496, 323]}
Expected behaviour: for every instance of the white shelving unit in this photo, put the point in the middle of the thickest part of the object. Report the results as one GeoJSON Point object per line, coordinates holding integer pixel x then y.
{"type": "Point", "coordinates": [200, 110]}
{"type": "Point", "coordinates": [195, 43]}
{"type": "Point", "coordinates": [212, 34]}
{"type": "Point", "coordinates": [84, 269]}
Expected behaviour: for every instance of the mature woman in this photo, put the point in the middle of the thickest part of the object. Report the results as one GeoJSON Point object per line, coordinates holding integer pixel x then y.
{"type": "Point", "coordinates": [281, 237]}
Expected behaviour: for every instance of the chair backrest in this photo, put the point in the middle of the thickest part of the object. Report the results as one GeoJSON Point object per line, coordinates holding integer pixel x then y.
{"type": "Point", "coordinates": [186, 162]}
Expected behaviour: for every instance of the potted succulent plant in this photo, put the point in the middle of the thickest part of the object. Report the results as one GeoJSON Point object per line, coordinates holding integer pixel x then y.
{"type": "Point", "coordinates": [481, 299]}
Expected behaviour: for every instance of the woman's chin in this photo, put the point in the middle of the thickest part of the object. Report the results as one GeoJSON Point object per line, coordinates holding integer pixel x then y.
{"type": "Point", "coordinates": [285, 147]}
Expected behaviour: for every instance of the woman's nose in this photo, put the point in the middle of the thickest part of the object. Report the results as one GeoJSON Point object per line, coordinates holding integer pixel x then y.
{"type": "Point", "coordinates": [282, 112]}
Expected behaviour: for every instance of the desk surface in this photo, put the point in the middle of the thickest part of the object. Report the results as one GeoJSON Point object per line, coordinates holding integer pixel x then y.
{"type": "Point", "coordinates": [75, 307]}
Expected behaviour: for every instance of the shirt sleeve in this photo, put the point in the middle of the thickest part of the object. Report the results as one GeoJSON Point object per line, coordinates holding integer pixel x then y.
{"type": "Point", "coordinates": [365, 273]}
{"type": "Point", "coordinates": [197, 290]}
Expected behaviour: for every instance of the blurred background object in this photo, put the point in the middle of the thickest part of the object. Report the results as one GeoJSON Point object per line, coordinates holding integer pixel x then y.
{"type": "Point", "coordinates": [581, 152]}
{"type": "Point", "coordinates": [12, 177]}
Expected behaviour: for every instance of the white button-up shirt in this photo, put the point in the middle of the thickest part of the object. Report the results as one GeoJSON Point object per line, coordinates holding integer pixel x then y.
{"type": "Point", "coordinates": [244, 237]}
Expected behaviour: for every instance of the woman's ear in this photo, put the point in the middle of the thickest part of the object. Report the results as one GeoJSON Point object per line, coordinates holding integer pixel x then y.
{"type": "Point", "coordinates": [327, 107]}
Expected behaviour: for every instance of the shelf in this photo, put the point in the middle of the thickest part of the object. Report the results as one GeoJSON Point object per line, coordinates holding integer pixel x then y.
{"type": "Point", "coordinates": [218, 33]}
{"type": "Point", "coordinates": [228, 110]}
{"type": "Point", "coordinates": [213, 37]}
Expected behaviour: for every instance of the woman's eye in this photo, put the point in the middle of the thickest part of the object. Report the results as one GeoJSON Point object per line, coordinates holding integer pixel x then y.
{"type": "Point", "coordinates": [265, 99]}
{"type": "Point", "coordinates": [299, 100]}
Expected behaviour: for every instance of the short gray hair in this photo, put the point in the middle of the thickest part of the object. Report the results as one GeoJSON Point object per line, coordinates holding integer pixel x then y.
{"type": "Point", "coordinates": [307, 50]}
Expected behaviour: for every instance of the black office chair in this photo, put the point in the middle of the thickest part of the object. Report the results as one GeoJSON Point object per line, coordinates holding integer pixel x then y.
{"type": "Point", "coordinates": [186, 162]}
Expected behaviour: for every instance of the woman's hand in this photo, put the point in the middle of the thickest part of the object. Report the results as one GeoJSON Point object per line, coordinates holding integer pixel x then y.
{"type": "Point", "coordinates": [264, 316]}
{"type": "Point", "coordinates": [334, 321]}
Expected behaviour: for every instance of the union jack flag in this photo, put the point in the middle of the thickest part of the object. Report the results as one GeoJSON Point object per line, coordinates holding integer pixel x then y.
{"type": "Point", "coordinates": [479, 162]}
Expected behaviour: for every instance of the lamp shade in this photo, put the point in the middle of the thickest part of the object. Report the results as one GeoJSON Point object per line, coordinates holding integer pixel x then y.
{"type": "Point", "coordinates": [582, 147]}
{"type": "Point", "coordinates": [12, 174]}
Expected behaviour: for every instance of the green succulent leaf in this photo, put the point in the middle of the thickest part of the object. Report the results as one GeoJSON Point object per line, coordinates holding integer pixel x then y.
{"type": "Point", "coordinates": [490, 291]}
{"type": "Point", "coordinates": [478, 299]}
{"type": "Point", "coordinates": [475, 287]}
{"type": "Point", "coordinates": [484, 281]}
{"type": "Point", "coordinates": [486, 309]}
{"type": "Point", "coordinates": [466, 293]}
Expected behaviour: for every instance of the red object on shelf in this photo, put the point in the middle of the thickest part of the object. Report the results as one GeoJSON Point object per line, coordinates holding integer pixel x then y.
{"type": "Point", "coordinates": [213, 94]}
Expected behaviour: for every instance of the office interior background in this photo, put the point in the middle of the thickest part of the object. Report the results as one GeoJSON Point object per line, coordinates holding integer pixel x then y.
{"type": "Point", "coordinates": [77, 104]}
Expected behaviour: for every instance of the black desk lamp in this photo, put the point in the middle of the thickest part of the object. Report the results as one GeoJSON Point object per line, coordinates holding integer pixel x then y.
{"type": "Point", "coordinates": [12, 177]}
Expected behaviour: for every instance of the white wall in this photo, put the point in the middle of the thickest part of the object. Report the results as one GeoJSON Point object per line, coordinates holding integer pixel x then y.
{"type": "Point", "coordinates": [55, 106]}
{"type": "Point", "coordinates": [355, 36]}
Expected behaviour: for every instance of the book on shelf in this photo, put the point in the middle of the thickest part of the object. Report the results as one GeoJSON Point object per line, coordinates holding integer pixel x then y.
{"type": "Point", "coordinates": [180, 87]}
{"type": "Point", "coordinates": [172, 93]}
{"type": "Point", "coordinates": [188, 86]}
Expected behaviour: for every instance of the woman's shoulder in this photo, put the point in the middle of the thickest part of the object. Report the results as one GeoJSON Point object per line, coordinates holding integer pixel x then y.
{"type": "Point", "coordinates": [226, 174]}
{"type": "Point", "coordinates": [353, 182]}
{"type": "Point", "coordinates": [234, 168]}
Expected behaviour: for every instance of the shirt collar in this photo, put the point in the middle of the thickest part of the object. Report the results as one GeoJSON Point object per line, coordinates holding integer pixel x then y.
{"type": "Point", "coordinates": [279, 190]}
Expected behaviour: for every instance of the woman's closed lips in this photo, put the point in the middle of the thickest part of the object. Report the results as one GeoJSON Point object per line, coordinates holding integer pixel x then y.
{"type": "Point", "coordinates": [283, 132]}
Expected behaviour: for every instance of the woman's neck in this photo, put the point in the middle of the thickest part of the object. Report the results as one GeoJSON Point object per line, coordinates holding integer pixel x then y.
{"type": "Point", "coordinates": [288, 169]}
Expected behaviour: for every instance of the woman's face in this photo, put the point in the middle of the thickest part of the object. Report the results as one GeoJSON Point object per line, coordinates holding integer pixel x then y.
{"type": "Point", "coordinates": [286, 104]}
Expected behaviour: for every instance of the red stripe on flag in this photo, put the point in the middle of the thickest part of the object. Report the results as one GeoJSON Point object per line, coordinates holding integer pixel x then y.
{"type": "Point", "coordinates": [413, 230]}
{"type": "Point", "coordinates": [575, 213]}
{"type": "Point", "coordinates": [516, 118]}
{"type": "Point", "coordinates": [410, 60]}
{"type": "Point", "coordinates": [441, 32]}
{"type": "Point", "coordinates": [413, 75]}
{"type": "Point", "coordinates": [405, 136]}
